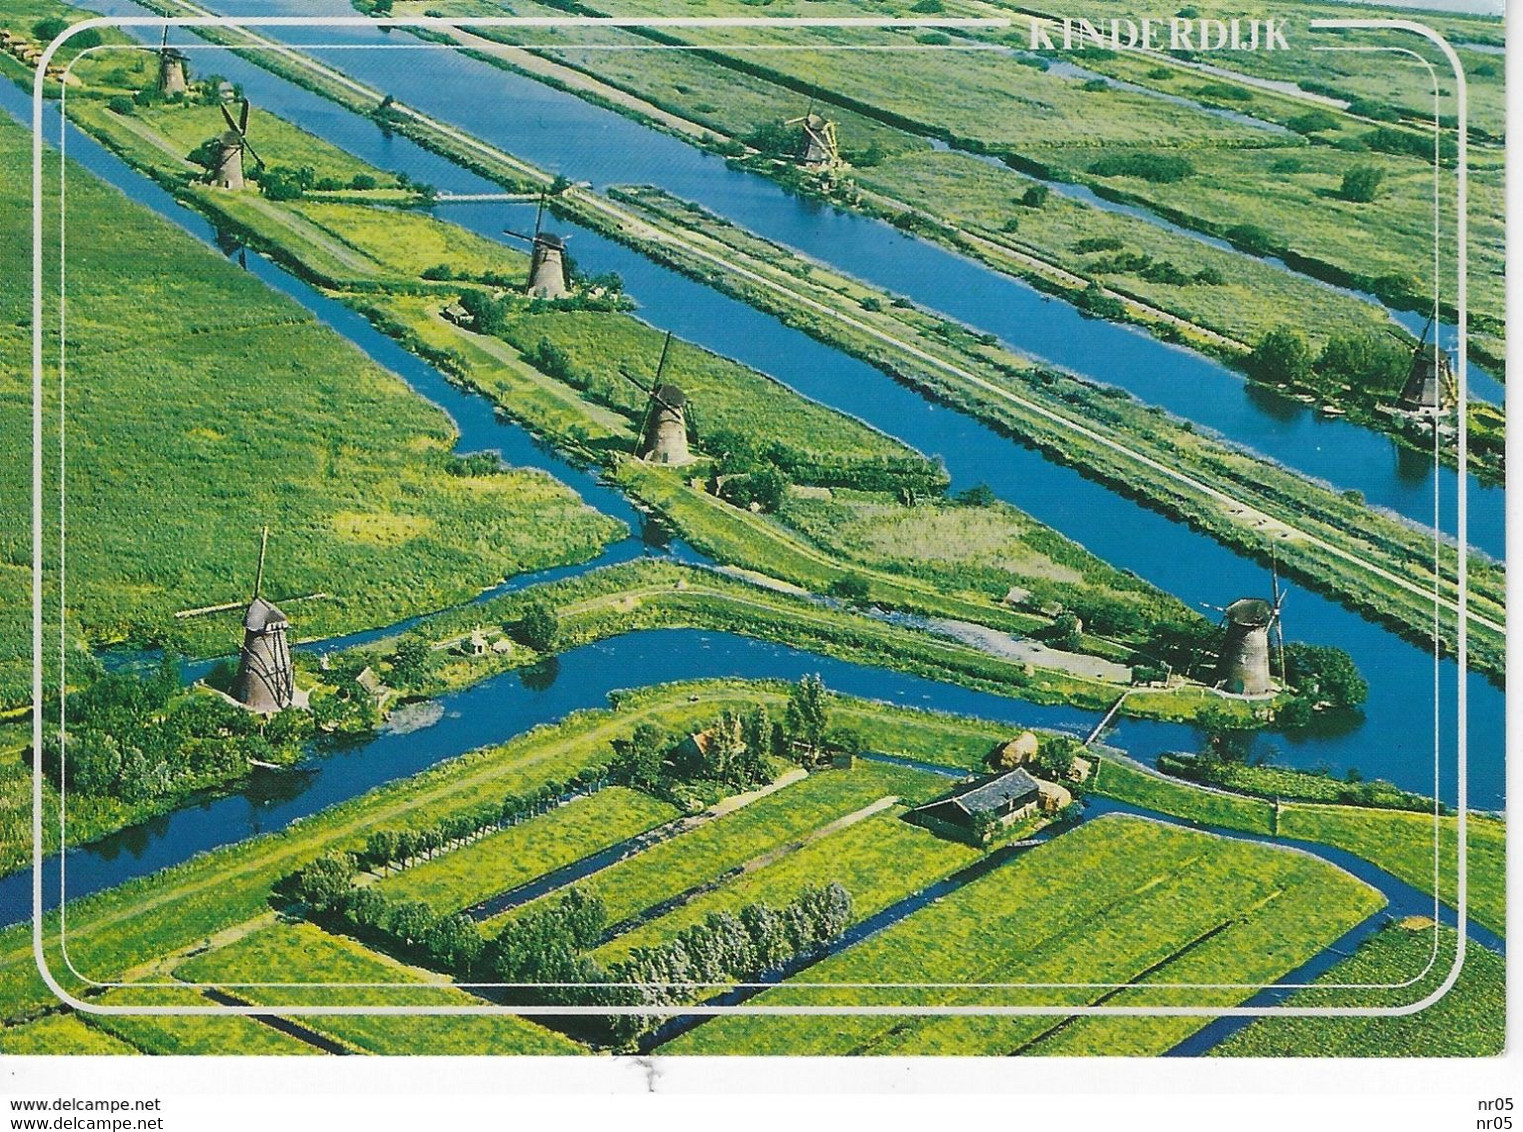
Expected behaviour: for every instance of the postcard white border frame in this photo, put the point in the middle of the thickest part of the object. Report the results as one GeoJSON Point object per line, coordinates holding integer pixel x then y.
{"type": "Point", "coordinates": [242, 23]}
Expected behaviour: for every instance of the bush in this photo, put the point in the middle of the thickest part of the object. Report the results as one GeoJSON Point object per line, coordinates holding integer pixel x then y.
{"type": "Point", "coordinates": [849, 587]}
{"type": "Point", "coordinates": [1251, 238]}
{"type": "Point", "coordinates": [1281, 355]}
{"type": "Point", "coordinates": [1361, 183]}
{"type": "Point", "coordinates": [1159, 168]}
{"type": "Point", "coordinates": [1094, 301]}
{"type": "Point", "coordinates": [120, 104]}
{"type": "Point", "coordinates": [1314, 121]}
{"type": "Point", "coordinates": [1035, 196]}
{"type": "Point", "coordinates": [1098, 244]}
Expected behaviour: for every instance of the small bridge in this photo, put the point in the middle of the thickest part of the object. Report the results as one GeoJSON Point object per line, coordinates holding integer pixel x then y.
{"type": "Point", "coordinates": [1105, 719]}
{"type": "Point", "coordinates": [482, 198]}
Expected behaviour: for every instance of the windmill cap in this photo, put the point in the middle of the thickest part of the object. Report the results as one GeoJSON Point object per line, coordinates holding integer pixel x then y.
{"type": "Point", "coordinates": [1250, 611]}
{"type": "Point", "coordinates": [671, 394]}
{"type": "Point", "coordinates": [551, 240]}
{"type": "Point", "coordinates": [262, 615]}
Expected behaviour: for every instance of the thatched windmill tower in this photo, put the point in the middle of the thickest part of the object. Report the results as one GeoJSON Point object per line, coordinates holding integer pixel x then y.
{"type": "Point", "coordinates": [172, 76]}
{"type": "Point", "coordinates": [227, 173]}
{"type": "Point", "coordinates": [266, 681]}
{"type": "Point", "coordinates": [1242, 667]}
{"type": "Point", "coordinates": [1431, 389]}
{"type": "Point", "coordinates": [547, 259]}
{"type": "Point", "coordinates": [818, 148]}
{"type": "Point", "coordinates": [664, 428]}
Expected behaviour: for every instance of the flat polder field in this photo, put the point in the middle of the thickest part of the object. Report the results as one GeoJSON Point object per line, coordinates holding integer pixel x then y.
{"type": "Point", "coordinates": [635, 665]}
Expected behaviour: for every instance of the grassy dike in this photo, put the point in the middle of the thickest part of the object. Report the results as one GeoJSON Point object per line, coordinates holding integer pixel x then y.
{"type": "Point", "coordinates": [131, 929]}
{"type": "Point", "coordinates": [652, 594]}
{"type": "Point", "coordinates": [1240, 500]}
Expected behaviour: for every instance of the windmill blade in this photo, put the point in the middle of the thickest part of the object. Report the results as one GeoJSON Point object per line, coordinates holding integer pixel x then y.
{"type": "Point", "coordinates": [518, 235]}
{"type": "Point", "coordinates": [661, 365]}
{"type": "Point", "coordinates": [259, 161]}
{"type": "Point", "coordinates": [264, 541]}
{"type": "Point", "coordinates": [243, 118]}
{"type": "Point", "coordinates": [539, 216]}
{"type": "Point", "coordinates": [232, 125]}
{"type": "Point", "coordinates": [163, 43]}
{"type": "Point", "coordinates": [1279, 632]}
{"type": "Point", "coordinates": [635, 381]}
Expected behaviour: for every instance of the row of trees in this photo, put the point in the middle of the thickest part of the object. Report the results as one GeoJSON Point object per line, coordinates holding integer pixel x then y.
{"type": "Point", "coordinates": [386, 849]}
{"type": "Point", "coordinates": [543, 953]}
{"type": "Point", "coordinates": [1372, 364]}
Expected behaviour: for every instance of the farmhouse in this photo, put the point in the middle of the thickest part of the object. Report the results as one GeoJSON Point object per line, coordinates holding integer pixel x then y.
{"type": "Point", "coordinates": [1007, 797]}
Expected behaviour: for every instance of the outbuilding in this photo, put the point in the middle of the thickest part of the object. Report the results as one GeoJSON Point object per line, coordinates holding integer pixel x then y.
{"type": "Point", "coordinates": [1007, 797]}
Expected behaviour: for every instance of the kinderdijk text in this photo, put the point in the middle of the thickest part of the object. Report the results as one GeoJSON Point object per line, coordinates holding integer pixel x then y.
{"type": "Point", "coordinates": [1153, 33]}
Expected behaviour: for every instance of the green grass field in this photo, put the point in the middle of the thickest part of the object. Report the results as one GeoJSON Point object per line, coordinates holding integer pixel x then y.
{"type": "Point", "coordinates": [879, 861]}
{"type": "Point", "coordinates": [1467, 1022]}
{"type": "Point", "coordinates": [1402, 843]}
{"type": "Point", "coordinates": [637, 883]}
{"type": "Point", "coordinates": [363, 508]}
{"type": "Point", "coordinates": [303, 953]}
{"type": "Point", "coordinates": [59, 1035]}
{"type": "Point", "coordinates": [185, 1035]}
{"type": "Point", "coordinates": [507, 859]}
{"type": "Point", "coordinates": [1087, 907]}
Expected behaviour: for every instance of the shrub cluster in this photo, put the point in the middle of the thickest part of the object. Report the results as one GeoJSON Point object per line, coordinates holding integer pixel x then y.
{"type": "Point", "coordinates": [1160, 168]}
{"type": "Point", "coordinates": [140, 739]}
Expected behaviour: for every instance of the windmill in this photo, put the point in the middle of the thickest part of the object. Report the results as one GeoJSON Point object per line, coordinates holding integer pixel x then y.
{"type": "Point", "coordinates": [172, 61]}
{"type": "Point", "coordinates": [663, 429]}
{"type": "Point", "coordinates": [1242, 665]}
{"type": "Point", "coordinates": [228, 171]}
{"type": "Point", "coordinates": [265, 681]}
{"type": "Point", "coordinates": [1430, 388]}
{"type": "Point", "coordinates": [818, 148]}
{"type": "Point", "coordinates": [547, 259]}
